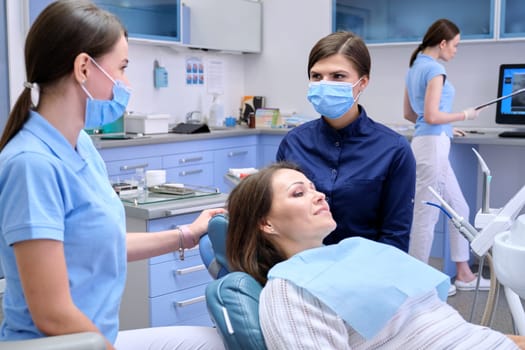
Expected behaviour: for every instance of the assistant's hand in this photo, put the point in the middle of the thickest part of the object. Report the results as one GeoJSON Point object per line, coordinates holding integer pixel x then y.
{"type": "Point", "coordinates": [200, 225]}
{"type": "Point", "coordinates": [471, 113]}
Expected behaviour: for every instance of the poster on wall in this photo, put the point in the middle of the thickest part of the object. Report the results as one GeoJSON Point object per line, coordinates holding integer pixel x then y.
{"type": "Point", "coordinates": [215, 77]}
{"type": "Point", "coordinates": [194, 71]}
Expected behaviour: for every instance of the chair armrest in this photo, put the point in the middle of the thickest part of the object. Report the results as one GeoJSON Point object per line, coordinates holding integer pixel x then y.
{"type": "Point", "coordinates": [77, 341]}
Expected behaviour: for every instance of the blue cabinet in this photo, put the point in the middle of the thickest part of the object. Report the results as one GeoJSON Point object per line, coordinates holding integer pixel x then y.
{"type": "Point", "coordinates": [267, 149]}
{"type": "Point", "coordinates": [388, 21]}
{"type": "Point", "coordinates": [512, 14]}
{"type": "Point", "coordinates": [164, 290]}
{"type": "Point", "coordinates": [157, 20]}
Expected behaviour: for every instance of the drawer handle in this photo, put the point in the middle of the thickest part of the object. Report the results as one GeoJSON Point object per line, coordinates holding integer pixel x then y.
{"type": "Point", "coordinates": [189, 160]}
{"type": "Point", "coordinates": [188, 302]}
{"type": "Point", "coordinates": [131, 167]}
{"type": "Point", "coordinates": [190, 269]}
{"type": "Point", "coordinates": [190, 172]}
{"type": "Point", "coordinates": [237, 153]}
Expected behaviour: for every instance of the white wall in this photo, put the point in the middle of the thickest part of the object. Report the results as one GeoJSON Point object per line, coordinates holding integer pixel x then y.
{"type": "Point", "coordinates": [290, 29]}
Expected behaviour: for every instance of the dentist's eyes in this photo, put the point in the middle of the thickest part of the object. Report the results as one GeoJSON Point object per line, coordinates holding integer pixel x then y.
{"type": "Point", "coordinates": [315, 77]}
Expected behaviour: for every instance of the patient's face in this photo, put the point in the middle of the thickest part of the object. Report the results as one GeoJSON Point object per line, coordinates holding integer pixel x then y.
{"type": "Point", "coordinates": [300, 215]}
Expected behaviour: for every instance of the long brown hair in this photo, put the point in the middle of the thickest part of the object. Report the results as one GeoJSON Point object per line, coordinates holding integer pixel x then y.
{"type": "Point", "coordinates": [59, 34]}
{"type": "Point", "coordinates": [442, 29]}
{"type": "Point", "coordinates": [349, 45]}
{"type": "Point", "coordinates": [247, 247]}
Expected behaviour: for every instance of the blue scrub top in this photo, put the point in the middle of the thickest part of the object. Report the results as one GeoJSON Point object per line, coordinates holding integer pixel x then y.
{"type": "Point", "coordinates": [367, 172]}
{"type": "Point", "coordinates": [424, 69]}
{"type": "Point", "coordinates": [49, 190]}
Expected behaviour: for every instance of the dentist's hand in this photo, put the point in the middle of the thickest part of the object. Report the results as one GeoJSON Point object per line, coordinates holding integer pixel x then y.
{"type": "Point", "coordinates": [471, 113]}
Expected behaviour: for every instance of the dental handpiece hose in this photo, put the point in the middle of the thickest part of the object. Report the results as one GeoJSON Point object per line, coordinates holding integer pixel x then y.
{"type": "Point", "coordinates": [464, 227]}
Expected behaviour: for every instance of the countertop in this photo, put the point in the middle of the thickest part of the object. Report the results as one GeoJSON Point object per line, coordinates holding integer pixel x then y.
{"type": "Point", "coordinates": [485, 136]}
{"type": "Point", "coordinates": [175, 207]}
{"type": "Point", "coordinates": [171, 137]}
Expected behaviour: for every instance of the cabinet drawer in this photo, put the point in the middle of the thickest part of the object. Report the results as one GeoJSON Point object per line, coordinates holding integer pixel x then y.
{"type": "Point", "coordinates": [198, 174]}
{"type": "Point", "coordinates": [177, 160]}
{"type": "Point", "coordinates": [177, 275]}
{"type": "Point", "coordinates": [179, 308]}
{"type": "Point", "coordinates": [126, 168]}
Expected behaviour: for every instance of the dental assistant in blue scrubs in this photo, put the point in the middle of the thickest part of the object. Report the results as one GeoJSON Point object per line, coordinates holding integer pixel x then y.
{"type": "Point", "coordinates": [428, 100]}
{"type": "Point", "coordinates": [63, 240]}
{"type": "Point", "coordinates": [366, 170]}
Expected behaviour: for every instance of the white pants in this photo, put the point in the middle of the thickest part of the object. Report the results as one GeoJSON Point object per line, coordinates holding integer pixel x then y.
{"type": "Point", "coordinates": [433, 169]}
{"type": "Point", "coordinates": [170, 338]}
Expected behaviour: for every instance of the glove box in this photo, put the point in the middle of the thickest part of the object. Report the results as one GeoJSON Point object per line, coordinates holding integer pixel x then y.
{"type": "Point", "coordinates": [146, 123]}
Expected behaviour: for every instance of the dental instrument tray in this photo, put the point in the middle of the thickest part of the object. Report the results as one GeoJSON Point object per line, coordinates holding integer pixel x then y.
{"type": "Point", "coordinates": [170, 192]}
{"type": "Point", "coordinates": [176, 189]}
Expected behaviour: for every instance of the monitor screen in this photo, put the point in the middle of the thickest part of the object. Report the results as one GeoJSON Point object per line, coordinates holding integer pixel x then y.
{"type": "Point", "coordinates": [511, 110]}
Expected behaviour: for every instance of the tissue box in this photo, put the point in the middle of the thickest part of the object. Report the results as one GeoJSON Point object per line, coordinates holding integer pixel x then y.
{"type": "Point", "coordinates": [147, 123]}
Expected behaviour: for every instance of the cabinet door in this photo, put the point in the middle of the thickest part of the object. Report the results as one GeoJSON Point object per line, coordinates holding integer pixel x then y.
{"type": "Point", "coordinates": [233, 25]}
{"type": "Point", "coordinates": [235, 157]}
{"type": "Point", "coordinates": [157, 20]}
{"type": "Point", "coordinates": [268, 146]}
{"type": "Point", "coordinates": [385, 21]}
{"type": "Point", "coordinates": [512, 15]}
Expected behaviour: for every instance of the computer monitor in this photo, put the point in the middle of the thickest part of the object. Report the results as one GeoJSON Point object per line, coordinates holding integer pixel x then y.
{"type": "Point", "coordinates": [511, 110]}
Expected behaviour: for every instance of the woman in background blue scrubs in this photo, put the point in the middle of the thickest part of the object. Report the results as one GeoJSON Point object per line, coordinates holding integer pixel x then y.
{"type": "Point", "coordinates": [365, 169]}
{"type": "Point", "coordinates": [428, 100]}
{"type": "Point", "coordinates": [63, 240]}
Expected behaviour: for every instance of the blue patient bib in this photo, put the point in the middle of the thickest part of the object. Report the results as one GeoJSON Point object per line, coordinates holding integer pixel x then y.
{"type": "Point", "coordinates": [363, 281]}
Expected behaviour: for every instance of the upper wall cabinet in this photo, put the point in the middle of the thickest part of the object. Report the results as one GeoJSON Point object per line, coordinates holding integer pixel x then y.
{"type": "Point", "coordinates": [227, 25]}
{"type": "Point", "coordinates": [231, 25]}
{"type": "Point", "coordinates": [156, 20]}
{"type": "Point", "coordinates": [234, 25]}
{"type": "Point", "coordinates": [512, 19]}
{"type": "Point", "coordinates": [389, 21]}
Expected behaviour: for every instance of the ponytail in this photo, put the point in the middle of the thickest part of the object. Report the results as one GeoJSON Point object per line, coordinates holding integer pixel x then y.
{"type": "Point", "coordinates": [17, 118]}
{"type": "Point", "coordinates": [415, 53]}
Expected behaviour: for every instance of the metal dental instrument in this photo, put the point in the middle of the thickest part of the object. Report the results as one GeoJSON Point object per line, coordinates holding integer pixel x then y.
{"type": "Point", "coordinates": [499, 99]}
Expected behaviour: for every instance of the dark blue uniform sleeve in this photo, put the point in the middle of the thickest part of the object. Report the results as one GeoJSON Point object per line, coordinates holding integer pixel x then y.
{"type": "Point", "coordinates": [398, 197]}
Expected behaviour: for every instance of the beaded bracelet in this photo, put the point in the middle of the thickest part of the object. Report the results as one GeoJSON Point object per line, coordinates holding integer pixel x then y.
{"type": "Point", "coordinates": [184, 229]}
{"type": "Point", "coordinates": [181, 244]}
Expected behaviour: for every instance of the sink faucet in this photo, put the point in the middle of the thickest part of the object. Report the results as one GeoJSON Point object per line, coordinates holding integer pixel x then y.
{"type": "Point", "coordinates": [193, 117]}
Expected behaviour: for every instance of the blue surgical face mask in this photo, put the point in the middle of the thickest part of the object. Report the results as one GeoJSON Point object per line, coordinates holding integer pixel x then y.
{"type": "Point", "coordinates": [332, 99]}
{"type": "Point", "coordinates": [102, 112]}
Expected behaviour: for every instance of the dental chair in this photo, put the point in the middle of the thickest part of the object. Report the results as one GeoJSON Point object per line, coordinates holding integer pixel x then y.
{"type": "Point", "coordinates": [233, 297]}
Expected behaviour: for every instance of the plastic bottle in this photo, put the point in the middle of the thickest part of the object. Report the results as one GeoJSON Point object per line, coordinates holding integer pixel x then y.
{"type": "Point", "coordinates": [216, 116]}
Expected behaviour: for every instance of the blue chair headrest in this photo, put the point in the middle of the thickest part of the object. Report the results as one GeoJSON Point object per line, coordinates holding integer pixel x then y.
{"type": "Point", "coordinates": [233, 304]}
{"type": "Point", "coordinates": [212, 246]}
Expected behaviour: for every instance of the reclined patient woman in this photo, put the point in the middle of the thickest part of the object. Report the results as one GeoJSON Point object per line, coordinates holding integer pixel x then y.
{"type": "Point", "coordinates": [357, 294]}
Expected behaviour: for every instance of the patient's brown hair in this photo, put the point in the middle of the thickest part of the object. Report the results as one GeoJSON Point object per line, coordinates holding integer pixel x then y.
{"type": "Point", "coordinates": [247, 248]}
